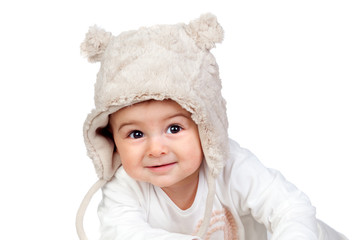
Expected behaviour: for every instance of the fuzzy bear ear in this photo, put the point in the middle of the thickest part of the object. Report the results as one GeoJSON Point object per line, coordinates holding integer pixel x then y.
{"type": "Point", "coordinates": [205, 31]}
{"type": "Point", "coordinates": [95, 43]}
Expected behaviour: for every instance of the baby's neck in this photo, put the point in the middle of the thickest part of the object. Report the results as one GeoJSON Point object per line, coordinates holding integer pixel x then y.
{"type": "Point", "coordinates": [183, 193]}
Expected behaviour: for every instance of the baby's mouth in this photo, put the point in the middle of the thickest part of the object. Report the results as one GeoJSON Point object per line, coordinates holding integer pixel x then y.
{"type": "Point", "coordinates": [162, 165]}
{"type": "Point", "coordinates": [162, 168]}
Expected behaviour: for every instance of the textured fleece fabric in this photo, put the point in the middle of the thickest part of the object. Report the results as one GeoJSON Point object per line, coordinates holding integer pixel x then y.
{"type": "Point", "coordinates": [160, 62]}
{"type": "Point", "coordinates": [251, 203]}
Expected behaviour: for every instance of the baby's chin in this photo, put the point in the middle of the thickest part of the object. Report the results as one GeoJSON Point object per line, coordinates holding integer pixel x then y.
{"type": "Point", "coordinates": [162, 184]}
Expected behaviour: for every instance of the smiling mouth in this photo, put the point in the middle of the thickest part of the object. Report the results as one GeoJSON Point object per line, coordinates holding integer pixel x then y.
{"type": "Point", "coordinates": [161, 168]}
{"type": "Point", "coordinates": [163, 165]}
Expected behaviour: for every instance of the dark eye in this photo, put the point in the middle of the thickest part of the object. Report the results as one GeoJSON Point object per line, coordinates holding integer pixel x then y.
{"type": "Point", "coordinates": [174, 129]}
{"type": "Point", "coordinates": [136, 134]}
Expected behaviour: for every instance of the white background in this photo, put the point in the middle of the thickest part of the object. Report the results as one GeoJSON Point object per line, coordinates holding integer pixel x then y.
{"type": "Point", "coordinates": [292, 74]}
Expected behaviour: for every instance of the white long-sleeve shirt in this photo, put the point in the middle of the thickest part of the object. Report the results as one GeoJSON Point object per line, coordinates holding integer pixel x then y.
{"type": "Point", "coordinates": [251, 202]}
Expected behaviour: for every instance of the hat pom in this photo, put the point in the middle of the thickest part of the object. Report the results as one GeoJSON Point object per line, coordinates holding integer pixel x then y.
{"type": "Point", "coordinates": [95, 43]}
{"type": "Point", "coordinates": [205, 31]}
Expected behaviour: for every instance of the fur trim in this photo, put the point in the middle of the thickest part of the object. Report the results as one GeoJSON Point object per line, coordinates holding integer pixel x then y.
{"type": "Point", "coordinates": [206, 31]}
{"type": "Point", "coordinates": [95, 43]}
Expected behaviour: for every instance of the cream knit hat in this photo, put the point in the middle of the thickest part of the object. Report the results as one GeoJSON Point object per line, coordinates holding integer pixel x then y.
{"type": "Point", "coordinates": [160, 62]}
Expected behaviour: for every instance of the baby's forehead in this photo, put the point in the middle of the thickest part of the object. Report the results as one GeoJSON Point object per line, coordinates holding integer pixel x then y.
{"type": "Point", "coordinates": [164, 108]}
{"type": "Point", "coordinates": [166, 104]}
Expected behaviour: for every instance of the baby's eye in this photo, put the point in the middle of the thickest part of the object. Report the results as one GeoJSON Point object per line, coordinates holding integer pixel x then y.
{"type": "Point", "coordinates": [136, 134]}
{"type": "Point", "coordinates": [174, 129]}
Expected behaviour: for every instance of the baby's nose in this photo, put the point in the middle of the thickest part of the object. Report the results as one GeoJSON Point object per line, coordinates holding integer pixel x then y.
{"type": "Point", "coordinates": [157, 147]}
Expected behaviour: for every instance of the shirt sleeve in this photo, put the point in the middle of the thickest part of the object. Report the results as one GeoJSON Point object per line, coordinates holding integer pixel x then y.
{"type": "Point", "coordinates": [284, 210]}
{"type": "Point", "coordinates": [123, 214]}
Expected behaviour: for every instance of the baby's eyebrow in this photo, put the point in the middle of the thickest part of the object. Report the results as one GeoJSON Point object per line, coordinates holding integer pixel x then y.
{"type": "Point", "coordinates": [181, 114]}
{"type": "Point", "coordinates": [124, 124]}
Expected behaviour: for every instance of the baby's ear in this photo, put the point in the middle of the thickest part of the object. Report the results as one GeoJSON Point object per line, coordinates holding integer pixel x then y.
{"type": "Point", "coordinates": [205, 31]}
{"type": "Point", "coordinates": [95, 43]}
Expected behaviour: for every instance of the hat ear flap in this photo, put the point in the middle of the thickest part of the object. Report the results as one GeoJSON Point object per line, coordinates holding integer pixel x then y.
{"type": "Point", "coordinates": [95, 43]}
{"type": "Point", "coordinates": [205, 31]}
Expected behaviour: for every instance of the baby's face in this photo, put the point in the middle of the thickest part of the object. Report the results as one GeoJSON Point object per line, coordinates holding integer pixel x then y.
{"type": "Point", "coordinates": [158, 142]}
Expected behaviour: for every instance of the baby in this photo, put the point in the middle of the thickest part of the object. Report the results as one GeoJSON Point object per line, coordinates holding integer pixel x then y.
{"type": "Point", "coordinates": [158, 139]}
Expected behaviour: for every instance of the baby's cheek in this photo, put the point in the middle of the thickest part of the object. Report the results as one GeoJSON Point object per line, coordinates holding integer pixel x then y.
{"type": "Point", "coordinates": [133, 171]}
